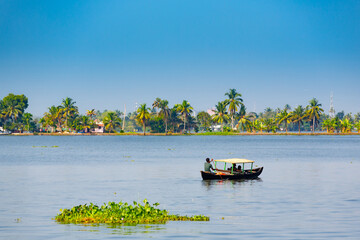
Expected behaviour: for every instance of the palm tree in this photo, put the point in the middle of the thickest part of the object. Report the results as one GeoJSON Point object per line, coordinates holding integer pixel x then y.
{"type": "Point", "coordinates": [268, 113]}
{"type": "Point", "coordinates": [283, 117]}
{"type": "Point", "coordinates": [336, 124]}
{"type": "Point", "coordinates": [313, 112]}
{"type": "Point", "coordinates": [86, 122]}
{"type": "Point", "coordinates": [165, 112]}
{"type": "Point", "coordinates": [91, 113]}
{"type": "Point", "coordinates": [143, 115]}
{"type": "Point", "coordinates": [287, 107]}
{"type": "Point", "coordinates": [192, 123]}
{"type": "Point", "coordinates": [68, 109]}
{"type": "Point", "coordinates": [244, 121]}
{"type": "Point", "coordinates": [12, 110]}
{"type": "Point", "coordinates": [233, 102]}
{"type": "Point", "coordinates": [221, 115]}
{"type": "Point", "coordinates": [156, 104]}
{"type": "Point", "coordinates": [53, 118]}
{"type": "Point", "coordinates": [357, 126]}
{"type": "Point", "coordinates": [111, 121]}
{"type": "Point", "coordinates": [269, 124]}
{"type": "Point", "coordinates": [346, 126]}
{"type": "Point", "coordinates": [298, 115]}
{"type": "Point", "coordinates": [349, 117]}
{"type": "Point", "coordinates": [27, 118]}
{"type": "Point", "coordinates": [75, 123]}
{"type": "Point", "coordinates": [184, 109]}
{"type": "Point", "coordinates": [328, 125]}
{"type": "Point", "coordinates": [357, 117]}
{"type": "Point", "coordinates": [258, 125]}
{"type": "Point", "coordinates": [174, 120]}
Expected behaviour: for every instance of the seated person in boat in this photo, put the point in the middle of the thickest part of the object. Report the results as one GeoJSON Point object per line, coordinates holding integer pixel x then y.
{"type": "Point", "coordinates": [239, 168]}
{"type": "Point", "coordinates": [207, 165]}
{"type": "Point", "coordinates": [233, 167]}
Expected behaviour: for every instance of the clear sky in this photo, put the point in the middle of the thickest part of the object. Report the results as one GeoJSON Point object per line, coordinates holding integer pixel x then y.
{"type": "Point", "coordinates": [105, 54]}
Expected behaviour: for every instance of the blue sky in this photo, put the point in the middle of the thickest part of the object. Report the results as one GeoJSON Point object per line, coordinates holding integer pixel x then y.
{"type": "Point", "coordinates": [105, 54]}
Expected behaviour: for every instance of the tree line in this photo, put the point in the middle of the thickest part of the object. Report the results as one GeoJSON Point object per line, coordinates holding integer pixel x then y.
{"type": "Point", "coordinates": [229, 115]}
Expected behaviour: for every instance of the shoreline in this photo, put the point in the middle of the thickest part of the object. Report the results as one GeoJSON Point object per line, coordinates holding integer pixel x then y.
{"type": "Point", "coordinates": [180, 134]}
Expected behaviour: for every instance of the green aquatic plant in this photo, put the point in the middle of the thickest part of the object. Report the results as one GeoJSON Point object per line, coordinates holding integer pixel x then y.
{"type": "Point", "coordinates": [118, 213]}
{"type": "Point", "coordinates": [45, 146]}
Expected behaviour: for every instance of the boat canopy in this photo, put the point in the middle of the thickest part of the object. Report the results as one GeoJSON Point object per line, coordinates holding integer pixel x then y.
{"type": "Point", "coordinates": [234, 160]}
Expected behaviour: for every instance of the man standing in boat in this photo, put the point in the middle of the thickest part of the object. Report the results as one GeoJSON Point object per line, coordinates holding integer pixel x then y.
{"type": "Point", "coordinates": [208, 166]}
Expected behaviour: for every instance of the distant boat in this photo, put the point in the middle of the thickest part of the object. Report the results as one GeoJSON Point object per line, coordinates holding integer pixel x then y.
{"type": "Point", "coordinates": [232, 173]}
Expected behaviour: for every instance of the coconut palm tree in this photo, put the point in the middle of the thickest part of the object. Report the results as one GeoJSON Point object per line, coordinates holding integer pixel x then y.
{"type": "Point", "coordinates": [269, 124]}
{"type": "Point", "coordinates": [258, 125]}
{"type": "Point", "coordinates": [221, 115]}
{"type": "Point", "coordinates": [165, 112]}
{"type": "Point", "coordinates": [174, 120]}
{"type": "Point", "coordinates": [68, 109]}
{"type": "Point", "coordinates": [283, 117]}
{"type": "Point", "coordinates": [27, 118]}
{"type": "Point", "coordinates": [12, 110]}
{"type": "Point", "coordinates": [357, 117]}
{"type": "Point", "coordinates": [87, 123]}
{"type": "Point", "coordinates": [143, 115]}
{"type": "Point", "coordinates": [184, 109]}
{"type": "Point", "coordinates": [54, 117]}
{"type": "Point", "coordinates": [91, 113]}
{"type": "Point", "coordinates": [357, 126]}
{"type": "Point", "coordinates": [287, 107]}
{"type": "Point", "coordinates": [346, 126]}
{"type": "Point", "coordinates": [111, 121]}
{"type": "Point", "coordinates": [313, 111]}
{"type": "Point", "coordinates": [244, 120]}
{"type": "Point", "coordinates": [336, 124]}
{"type": "Point", "coordinates": [268, 113]}
{"type": "Point", "coordinates": [233, 102]}
{"type": "Point", "coordinates": [349, 117]}
{"type": "Point", "coordinates": [298, 115]}
{"type": "Point", "coordinates": [156, 104]}
{"type": "Point", "coordinates": [328, 125]}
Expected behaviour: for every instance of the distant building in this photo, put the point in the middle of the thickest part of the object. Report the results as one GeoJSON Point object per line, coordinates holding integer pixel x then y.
{"type": "Point", "coordinates": [216, 128]}
{"type": "Point", "coordinates": [210, 112]}
{"type": "Point", "coordinates": [99, 127]}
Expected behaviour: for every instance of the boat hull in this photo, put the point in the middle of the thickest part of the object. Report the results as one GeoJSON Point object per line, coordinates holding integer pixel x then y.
{"type": "Point", "coordinates": [246, 175]}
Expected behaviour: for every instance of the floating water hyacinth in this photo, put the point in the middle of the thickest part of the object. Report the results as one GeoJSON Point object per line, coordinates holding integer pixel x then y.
{"type": "Point", "coordinates": [45, 146]}
{"type": "Point", "coordinates": [121, 213]}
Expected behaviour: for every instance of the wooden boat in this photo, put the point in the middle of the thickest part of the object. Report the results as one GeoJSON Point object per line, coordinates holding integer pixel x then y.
{"type": "Point", "coordinates": [233, 174]}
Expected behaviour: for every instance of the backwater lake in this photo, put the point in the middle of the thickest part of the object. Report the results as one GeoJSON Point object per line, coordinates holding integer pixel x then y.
{"type": "Point", "coordinates": [309, 189]}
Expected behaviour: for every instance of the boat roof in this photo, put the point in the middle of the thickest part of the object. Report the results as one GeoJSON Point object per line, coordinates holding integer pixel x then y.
{"type": "Point", "coordinates": [234, 160]}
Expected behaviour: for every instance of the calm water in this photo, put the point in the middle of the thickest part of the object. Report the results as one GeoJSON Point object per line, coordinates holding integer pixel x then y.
{"type": "Point", "coordinates": [309, 189]}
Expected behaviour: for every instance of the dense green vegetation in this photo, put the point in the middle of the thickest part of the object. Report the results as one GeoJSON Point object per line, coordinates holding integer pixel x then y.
{"type": "Point", "coordinates": [13, 115]}
{"type": "Point", "coordinates": [121, 213]}
{"type": "Point", "coordinates": [228, 116]}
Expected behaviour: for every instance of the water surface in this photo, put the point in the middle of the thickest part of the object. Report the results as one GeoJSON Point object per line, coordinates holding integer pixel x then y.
{"type": "Point", "coordinates": [309, 188]}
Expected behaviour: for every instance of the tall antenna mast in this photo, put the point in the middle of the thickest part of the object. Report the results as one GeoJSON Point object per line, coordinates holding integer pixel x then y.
{"type": "Point", "coordinates": [332, 109]}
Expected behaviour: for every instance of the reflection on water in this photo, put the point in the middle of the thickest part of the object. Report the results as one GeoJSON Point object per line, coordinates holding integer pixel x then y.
{"type": "Point", "coordinates": [309, 188]}
{"type": "Point", "coordinates": [232, 183]}
{"type": "Point", "coordinates": [120, 229]}
{"type": "Point", "coordinates": [140, 228]}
